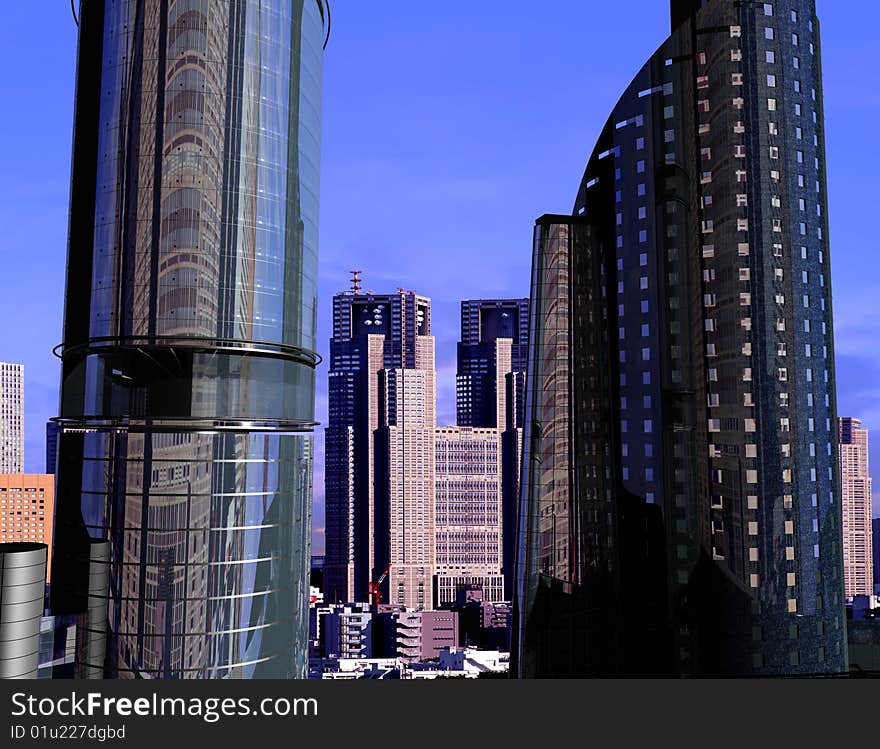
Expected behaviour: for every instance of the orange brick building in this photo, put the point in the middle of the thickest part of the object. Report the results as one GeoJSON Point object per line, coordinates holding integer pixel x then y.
{"type": "Point", "coordinates": [27, 509]}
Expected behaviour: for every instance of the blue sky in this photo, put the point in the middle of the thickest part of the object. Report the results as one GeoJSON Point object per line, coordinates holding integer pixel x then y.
{"type": "Point", "coordinates": [448, 128]}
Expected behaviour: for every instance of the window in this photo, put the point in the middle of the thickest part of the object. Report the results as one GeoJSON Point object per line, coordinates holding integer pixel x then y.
{"type": "Point", "coordinates": [771, 81]}
{"type": "Point", "coordinates": [771, 105]}
{"type": "Point", "coordinates": [771, 56]}
{"type": "Point", "coordinates": [768, 32]}
{"type": "Point", "coordinates": [768, 9]}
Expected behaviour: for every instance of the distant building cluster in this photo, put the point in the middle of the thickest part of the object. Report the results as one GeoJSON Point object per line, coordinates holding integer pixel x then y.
{"type": "Point", "coordinates": [426, 508]}
{"type": "Point", "coordinates": [360, 640]}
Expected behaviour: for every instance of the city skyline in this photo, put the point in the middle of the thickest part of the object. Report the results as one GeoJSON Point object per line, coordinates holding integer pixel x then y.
{"type": "Point", "coordinates": [381, 144]}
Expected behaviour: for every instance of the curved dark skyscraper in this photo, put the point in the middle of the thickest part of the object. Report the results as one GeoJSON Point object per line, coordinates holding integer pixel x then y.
{"type": "Point", "coordinates": [188, 357]}
{"type": "Point", "coordinates": [681, 493]}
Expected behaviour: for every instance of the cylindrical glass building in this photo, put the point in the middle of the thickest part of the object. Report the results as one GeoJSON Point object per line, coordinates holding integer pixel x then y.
{"type": "Point", "coordinates": [187, 395]}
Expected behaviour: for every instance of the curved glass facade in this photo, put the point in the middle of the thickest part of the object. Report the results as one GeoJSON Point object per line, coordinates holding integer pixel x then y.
{"type": "Point", "coordinates": [188, 355]}
{"type": "Point", "coordinates": [681, 504]}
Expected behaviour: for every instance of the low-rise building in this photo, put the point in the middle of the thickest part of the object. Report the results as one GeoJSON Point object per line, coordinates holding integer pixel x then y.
{"type": "Point", "coordinates": [344, 631]}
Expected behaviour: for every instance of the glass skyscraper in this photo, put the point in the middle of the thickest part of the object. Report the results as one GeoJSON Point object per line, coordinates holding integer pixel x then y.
{"type": "Point", "coordinates": [187, 396]}
{"type": "Point", "coordinates": [680, 510]}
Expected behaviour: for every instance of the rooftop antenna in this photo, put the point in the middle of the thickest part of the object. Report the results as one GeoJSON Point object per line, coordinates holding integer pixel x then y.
{"type": "Point", "coordinates": [356, 281]}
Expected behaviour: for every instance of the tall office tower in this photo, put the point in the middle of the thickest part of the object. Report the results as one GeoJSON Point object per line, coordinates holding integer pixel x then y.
{"type": "Point", "coordinates": [187, 396]}
{"type": "Point", "coordinates": [52, 429]}
{"type": "Point", "coordinates": [379, 450]}
{"type": "Point", "coordinates": [27, 510]}
{"type": "Point", "coordinates": [11, 418]}
{"type": "Point", "coordinates": [467, 491]}
{"type": "Point", "coordinates": [485, 358]}
{"type": "Point", "coordinates": [490, 382]}
{"type": "Point", "coordinates": [681, 499]}
{"type": "Point", "coordinates": [855, 480]}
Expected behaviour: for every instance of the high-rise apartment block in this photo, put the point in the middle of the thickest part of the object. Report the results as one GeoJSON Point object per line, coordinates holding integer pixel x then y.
{"type": "Point", "coordinates": [490, 389]}
{"type": "Point", "coordinates": [855, 480]}
{"type": "Point", "coordinates": [187, 395]}
{"type": "Point", "coordinates": [27, 510]}
{"type": "Point", "coordinates": [468, 513]}
{"type": "Point", "coordinates": [681, 501]}
{"type": "Point", "coordinates": [11, 418]}
{"type": "Point", "coordinates": [379, 451]}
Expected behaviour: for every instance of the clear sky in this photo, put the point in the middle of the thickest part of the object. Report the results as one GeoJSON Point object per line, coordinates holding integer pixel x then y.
{"type": "Point", "coordinates": [448, 128]}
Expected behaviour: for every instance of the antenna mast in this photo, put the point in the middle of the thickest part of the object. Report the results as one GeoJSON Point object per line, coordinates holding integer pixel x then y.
{"type": "Point", "coordinates": [356, 281]}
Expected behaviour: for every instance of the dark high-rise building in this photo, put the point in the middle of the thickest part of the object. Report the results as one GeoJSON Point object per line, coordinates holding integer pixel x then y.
{"type": "Point", "coordinates": [490, 388]}
{"type": "Point", "coordinates": [681, 493]}
{"type": "Point", "coordinates": [52, 429]}
{"type": "Point", "coordinates": [188, 359]}
{"type": "Point", "coordinates": [379, 454]}
{"type": "Point", "coordinates": [485, 359]}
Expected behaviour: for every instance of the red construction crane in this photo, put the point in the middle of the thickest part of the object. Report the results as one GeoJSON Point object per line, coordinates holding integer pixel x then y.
{"type": "Point", "coordinates": [375, 593]}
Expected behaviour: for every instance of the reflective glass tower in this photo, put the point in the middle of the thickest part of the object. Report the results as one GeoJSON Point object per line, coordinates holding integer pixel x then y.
{"type": "Point", "coordinates": [680, 510]}
{"type": "Point", "coordinates": [187, 396]}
